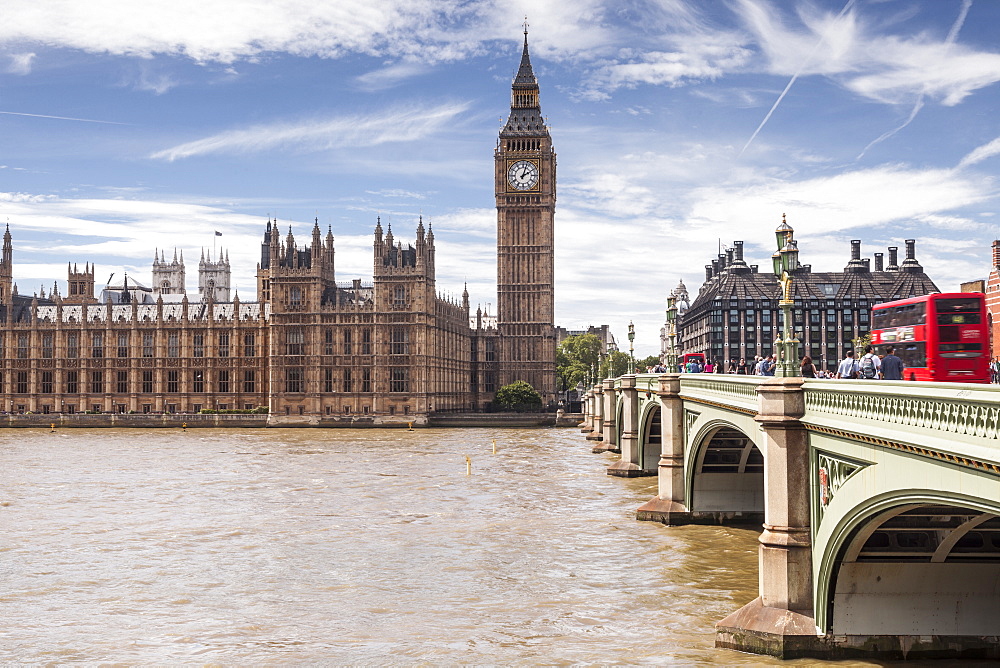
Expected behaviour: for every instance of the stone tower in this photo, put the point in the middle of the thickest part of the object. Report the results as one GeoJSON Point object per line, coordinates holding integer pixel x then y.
{"type": "Point", "coordinates": [292, 278]}
{"type": "Point", "coordinates": [7, 269]}
{"type": "Point", "coordinates": [525, 185]}
{"type": "Point", "coordinates": [213, 277]}
{"type": "Point", "coordinates": [81, 285]}
{"type": "Point", "coordinates": [168, 277]}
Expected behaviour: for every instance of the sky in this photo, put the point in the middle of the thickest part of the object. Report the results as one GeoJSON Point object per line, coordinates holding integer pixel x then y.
{"type": "Point", "coordinates": [679, 125]}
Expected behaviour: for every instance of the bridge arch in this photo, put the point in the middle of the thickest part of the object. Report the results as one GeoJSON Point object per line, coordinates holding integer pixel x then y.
{"type": "Point", "coordinates": [920, 564]}
{"type": "Point", "coordinates": [725, 474]}
{"type": "Point", "coordinates": [650, 435]}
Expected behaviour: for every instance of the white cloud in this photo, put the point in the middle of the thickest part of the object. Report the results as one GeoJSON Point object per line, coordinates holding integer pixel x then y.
{"type": "Point", "coordinates": [859, 199]}
{"type": "Point", "coordinates": [981, 153]}
{"type": "Point", "coordinates": [225, 32]}
{"type": "Point", "coordinates": [20, 63]}
{"type": "Point", "coordinates": [395, 125]}
{"type": "Point", "coordinates": [390, 76]}
{"type": "Point", "coordinates": [883, 67]}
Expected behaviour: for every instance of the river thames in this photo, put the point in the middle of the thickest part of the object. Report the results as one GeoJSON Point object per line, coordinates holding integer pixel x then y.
{"type": "Point", "coordinates": [350, 547]}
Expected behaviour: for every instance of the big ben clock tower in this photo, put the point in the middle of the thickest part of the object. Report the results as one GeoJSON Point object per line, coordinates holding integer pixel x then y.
{"type": "Point", "coordinates": [525, 184]}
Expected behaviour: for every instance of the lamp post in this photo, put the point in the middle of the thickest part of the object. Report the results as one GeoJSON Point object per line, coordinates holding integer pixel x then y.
{"type": "Point", "coordinates": [786, 261]}
{"type": "Point", "coordinates": [631, 348]}
{"type": "Point", "coordinates": [672, 333]}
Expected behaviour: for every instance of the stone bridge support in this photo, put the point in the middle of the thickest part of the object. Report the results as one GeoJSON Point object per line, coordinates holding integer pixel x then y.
{"type": "Point", "coordinates": [780, 621]}
{"type": "Point", "coordinates": [630, 447]}
{"type": "Point", "coordinates": [597, 413]}
{"type": "Point", "coordinates": [608, 416]}
{"type": "Point", "coordinates": [668, 505]}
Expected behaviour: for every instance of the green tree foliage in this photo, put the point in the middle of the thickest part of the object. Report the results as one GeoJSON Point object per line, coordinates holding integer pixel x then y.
{"type": "Point", "coordinates": [577, 359]}
{"type": "Point", "coordinates": [517, 396]}
{"type": "Point", "coordinates": [614, 365]}
{"type": "Point", "coordinates": [641, 365]}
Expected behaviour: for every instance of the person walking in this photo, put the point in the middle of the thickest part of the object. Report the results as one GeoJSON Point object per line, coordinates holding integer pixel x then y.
{"type": "Point", "coordinates": [807, 369]}
{"type": "Point", "coordinates": [892, 366]}
{"type": "Point", "coordinates": [869, 366]}
{"type": "Point", "coordinates": [743, 369]}
{"type": "Point", "coordinates": [848, 367]}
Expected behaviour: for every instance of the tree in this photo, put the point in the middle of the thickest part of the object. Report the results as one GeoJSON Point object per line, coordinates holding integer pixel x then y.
{"type": "Point", "coordinates": [641, 365]}
{"type": "Point", "coordinates": [577, 359]}
{"type": "Point", "coordinates": [615, 364]}
{"type": "Point", "coordinates": [518, 396]}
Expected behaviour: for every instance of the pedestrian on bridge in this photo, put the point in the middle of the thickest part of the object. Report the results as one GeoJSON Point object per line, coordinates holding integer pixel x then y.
{"type": "Point", "coordinates": [892, 366]}
{"type": "Point", "coordinates": [807, 369]}
{"type": "Point", "coordinates": [848, 367]}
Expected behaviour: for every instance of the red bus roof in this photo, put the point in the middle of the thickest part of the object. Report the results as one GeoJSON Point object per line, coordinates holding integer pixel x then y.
{"type": "Point", "coordinates": [931, 297]}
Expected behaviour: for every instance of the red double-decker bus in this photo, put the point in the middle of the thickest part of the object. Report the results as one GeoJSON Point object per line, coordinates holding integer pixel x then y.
{"type": "Point", "coordinates": [939, 337]}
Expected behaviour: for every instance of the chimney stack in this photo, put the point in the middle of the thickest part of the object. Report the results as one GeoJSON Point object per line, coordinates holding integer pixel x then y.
{"type": "Point", "coordinates": [878, 262]}
{"type": "Point", "coordinates": [910, 264]}
{"type": "Point", "coordinates": [893, 264]}
{"type": "Point", "coordinates": [855, 266]}
{"type": "Point", "coordinates": [708, 272]}
{"type": "Point", "coordinates": [996, 254]}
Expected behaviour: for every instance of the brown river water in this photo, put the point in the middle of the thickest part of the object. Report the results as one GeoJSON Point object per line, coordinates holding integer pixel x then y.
{"type": "Point", "coordinates": [286, 546]}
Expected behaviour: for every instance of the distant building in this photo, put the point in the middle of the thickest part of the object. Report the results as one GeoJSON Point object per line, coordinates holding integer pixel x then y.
{"type": "Point", "coordinates": [602, 332]}
{"type": "Point", "coordinates": [992, 290]}
{"type": "Point", "coordinates": [973, 286]}
{"type": "Point", "coordinates": [735, 314]}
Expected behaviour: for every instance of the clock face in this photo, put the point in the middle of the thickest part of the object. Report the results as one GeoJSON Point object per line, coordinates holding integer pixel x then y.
{"type": "Point", "coordinates": [522, 175]}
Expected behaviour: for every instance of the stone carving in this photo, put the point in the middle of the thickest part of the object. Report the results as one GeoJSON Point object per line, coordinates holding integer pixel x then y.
{"type": "Point", "coordinates": [831, 473]}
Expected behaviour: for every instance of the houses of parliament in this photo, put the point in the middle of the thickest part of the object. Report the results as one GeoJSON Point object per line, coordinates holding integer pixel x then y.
{"type": "Point", "coordinates": [310, 346]}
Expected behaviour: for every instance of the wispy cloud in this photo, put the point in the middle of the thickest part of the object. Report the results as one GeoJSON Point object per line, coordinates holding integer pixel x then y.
{"type": "Point", "coordinates": [919, 104]}
{"type": "Point", "coordinates": [20, 63]}
{"type": "Point", "coordinates": [798, 71]}
{"type": "Point", "coordinates": [981, 153]}
{"type": "Point", "coordinates": [225, 32]}
{"type": "Point", "coordinates": [868, 60]}
{"type": "Point", "coordinates": [394, 125]}
{"type": "Point", "coordinates": [390, 76]}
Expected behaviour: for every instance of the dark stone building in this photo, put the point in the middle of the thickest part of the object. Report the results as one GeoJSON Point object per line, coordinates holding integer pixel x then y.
{"type": "Point", "coordinates": [736, 314]}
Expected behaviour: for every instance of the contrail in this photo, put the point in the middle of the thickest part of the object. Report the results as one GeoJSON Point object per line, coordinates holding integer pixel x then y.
{"type": "Point", "coordinates": [795, 76]}
{"type": "Point", "coordinates": [948, 41]}
{"type": "Point", "coordinates": [61, 118]}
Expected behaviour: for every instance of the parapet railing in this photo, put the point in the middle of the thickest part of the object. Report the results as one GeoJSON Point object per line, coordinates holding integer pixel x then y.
{"type": "Point", "coordinates": [726, 390]}
{"type": "Point", "coordinates": [957, 419]}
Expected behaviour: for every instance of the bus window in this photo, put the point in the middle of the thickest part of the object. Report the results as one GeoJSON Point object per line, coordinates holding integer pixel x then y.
{"type": "Point", "coordinates": [913, 354]}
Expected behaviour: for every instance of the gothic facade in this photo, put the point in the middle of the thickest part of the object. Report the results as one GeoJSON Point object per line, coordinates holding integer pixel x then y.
{"type": "Point", "coordinates": [310, 346]}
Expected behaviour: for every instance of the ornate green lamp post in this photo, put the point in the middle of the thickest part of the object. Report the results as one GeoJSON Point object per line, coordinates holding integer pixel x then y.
{"type": "Point", "coordinates": [786, 261]}
{"type": "Point", "coordinates": [672, 333]}
{"type": "Point", "coordinates": [631, 348]}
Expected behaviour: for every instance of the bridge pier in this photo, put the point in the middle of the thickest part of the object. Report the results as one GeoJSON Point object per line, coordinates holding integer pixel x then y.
{"type": "Point", "coordinates": [609, 409]}
{"type": "Point", "coordinates": [630, 446]}
{"type": "Point", "coordinates": [597, 413]}
{"type": "Point", "coordinates": [668, 505]}
{"type": "Point", "coordinates": [780, 621]}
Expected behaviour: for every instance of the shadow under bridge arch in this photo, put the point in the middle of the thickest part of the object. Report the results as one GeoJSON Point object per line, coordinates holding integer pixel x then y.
{"type": "Point", "coordinates": [726, 480]}
{"type": "Point", "coordinates": [922, 569]}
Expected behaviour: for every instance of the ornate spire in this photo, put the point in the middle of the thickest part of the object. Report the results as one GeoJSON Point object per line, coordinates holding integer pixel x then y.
{"type": "Point", "coordinates": [525, 75]}
{"type": "Point", "coordinates": [525, 110]}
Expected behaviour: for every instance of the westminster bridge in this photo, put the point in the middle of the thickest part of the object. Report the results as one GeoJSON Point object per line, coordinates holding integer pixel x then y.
{"type": "Point", "coordinates": [880, 502]}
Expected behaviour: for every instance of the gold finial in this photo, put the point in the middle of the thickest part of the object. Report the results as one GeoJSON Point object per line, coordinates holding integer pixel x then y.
{"type": "Point", "coordinates": [783, 218]}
